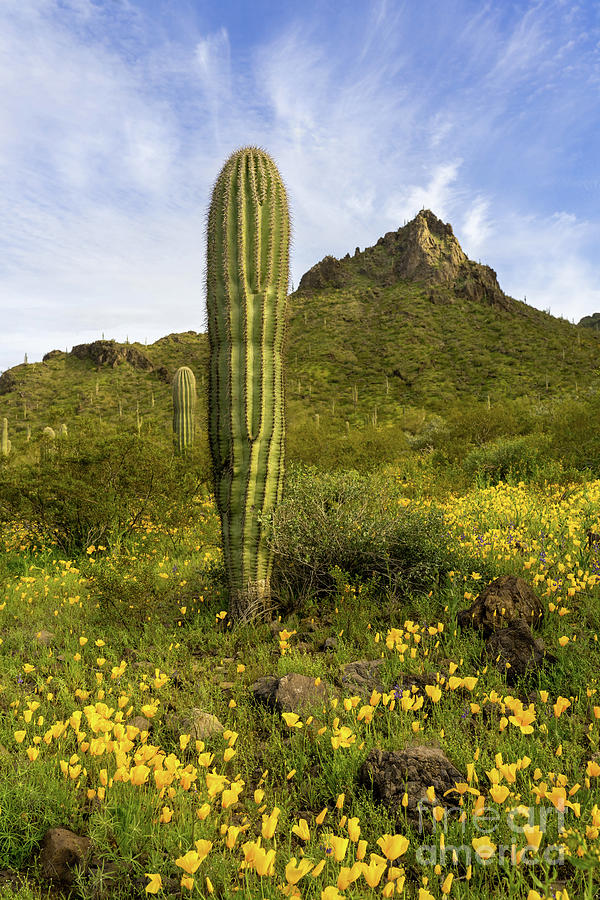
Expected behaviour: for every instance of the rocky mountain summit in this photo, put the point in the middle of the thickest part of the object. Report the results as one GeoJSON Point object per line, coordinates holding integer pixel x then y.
{"type": "Point", "coordinates": [424, 250]}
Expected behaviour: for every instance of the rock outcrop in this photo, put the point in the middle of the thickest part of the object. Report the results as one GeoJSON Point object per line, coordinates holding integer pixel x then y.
{"type": "Point", "coordinates": [425, 250]}
{"type": "Point", "coordinates": [109, 353]}
{"type": "Point", "coordinates": [592, 321]}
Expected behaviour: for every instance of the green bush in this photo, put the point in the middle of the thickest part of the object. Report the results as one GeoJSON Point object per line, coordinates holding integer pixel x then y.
{"type": "Point", "coordinates": [474, 424]}
{"type": "Point", "coordinates": [98, 489]}
{"type": "Point", "coordinates": [572, 427]}
{"type": "Point", "coordinates": [356, 524]}
{"type": "Point", "coordinates": [518, 459]}
{"type": "Point", "coordinates": [329, 448]}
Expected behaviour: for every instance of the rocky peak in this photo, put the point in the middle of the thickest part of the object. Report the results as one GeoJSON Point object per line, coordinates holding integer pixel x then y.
{"type": "Point", "coordinates": [424, 250]}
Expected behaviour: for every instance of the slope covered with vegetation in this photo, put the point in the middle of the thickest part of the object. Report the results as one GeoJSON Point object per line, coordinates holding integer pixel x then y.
{"type": "Point", "coordinates": [405, 329]}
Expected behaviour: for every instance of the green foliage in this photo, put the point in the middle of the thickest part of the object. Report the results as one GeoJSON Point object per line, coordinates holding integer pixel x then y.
{"type": "Point", "coordinates": [357, 524]}
{"type": "Point", "coordinates": [328, 447]}
{"type": "Point", "coordinates": [572, 428]}
{"type": "Point", "coordinates": [472, 424]}
{"type": "Point", "coordinates": [247, 282]}
{"type": "Point", "coordinates": [518, 459]}
{"type": "Point", "coordinates": [98, 489]}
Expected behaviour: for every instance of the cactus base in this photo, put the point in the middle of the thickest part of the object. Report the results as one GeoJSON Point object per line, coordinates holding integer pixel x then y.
{"type": "Point", "coordinates": [252, 604]}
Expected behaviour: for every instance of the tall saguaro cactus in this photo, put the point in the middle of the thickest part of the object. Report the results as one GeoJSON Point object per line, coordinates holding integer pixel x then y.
{"type": "Point", "coordinates": [247, 281]}
{"type": "Point", "coordinates": [184, 403]}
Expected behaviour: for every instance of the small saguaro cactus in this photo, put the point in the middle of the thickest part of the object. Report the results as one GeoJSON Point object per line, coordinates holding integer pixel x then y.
{"type": "Point", "coordinates": [184, 403]}
{"type": "Point", "coordinates": [247, 282]}
{"type": "Point", "coordinates": [5, 444]}
{"type": "Point", "coordinates": [47, 445]}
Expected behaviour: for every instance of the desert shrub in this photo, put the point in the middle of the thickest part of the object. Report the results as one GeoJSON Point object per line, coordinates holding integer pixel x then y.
{"type": "Point", "coordinates": [506, 459]}
{"type": "Point", "coordinates": [128, 591]}
{"type": "Point", "coordinates": [355, 523]}
{"type": "Point", "coordinates": [572, 428]}
{"type": "Point", "coordinates": [97, 490]}
{"type": "Point", "coordinates": [328, 448]}
{"type": "Point", "coordinates": [474, 424]}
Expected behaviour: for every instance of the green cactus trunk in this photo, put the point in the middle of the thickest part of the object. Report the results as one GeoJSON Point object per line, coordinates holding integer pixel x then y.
{"type": "Point", "coordinates": [184, 403]}
{"type": "Point", "coordinates": [247, 280]}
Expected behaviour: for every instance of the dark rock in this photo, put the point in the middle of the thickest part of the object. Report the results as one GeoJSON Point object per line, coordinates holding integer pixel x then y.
{"type": "Point", "coordinates": [52, 354]}
{"type": "Point", "coordinates": [505, 599]}
{"type": "Point", "coordinates": [478, 282]}
{"type": "Point", "coordinates": [364, 676]}
{"type": "Point", "coordinates": [514, 650]}
{"type": "Point", "coordinates": [61, 853]}
{"type": "Point", "coordinates": [163, 374]}
{"type": "Point", "coordinates": [195, 722]}
{"type": "Point", "coordinates": [290, 693]}
{"type": "Point", "coordinates": [109, 353]}
{"type": "Point", "coordinates": [8, 382]}
{"type": "Point", "coordinates": [392, 773]}
{"type": "Point", "coordinates": [592, 321]}
{"type": "Point", "coordinates": [328, 273]}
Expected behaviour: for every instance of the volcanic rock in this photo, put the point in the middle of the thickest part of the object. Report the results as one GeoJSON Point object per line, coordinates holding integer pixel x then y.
{"type": "Point", "coordinates": [508, 597]}
{"type": "Point", "coordinates": [290, 693]}
{"type": "Point", "coordinates": [392, 773]}
{"type": "Point", "coordinates": [62, 852]}
{"type": "Point", "coordinates": [514, 650]}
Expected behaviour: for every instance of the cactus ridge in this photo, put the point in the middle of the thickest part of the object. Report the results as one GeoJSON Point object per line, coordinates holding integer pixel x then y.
{"type": "Point", "coordinates": [247, 277]}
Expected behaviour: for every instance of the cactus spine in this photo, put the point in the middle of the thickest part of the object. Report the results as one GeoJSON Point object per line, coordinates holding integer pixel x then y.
{"type": "Point", "coordinates": [6, 444]}
{"type": "Point", "coordinates": [184, 403]}
{"type": "Point", "coordinates": [247, 281]}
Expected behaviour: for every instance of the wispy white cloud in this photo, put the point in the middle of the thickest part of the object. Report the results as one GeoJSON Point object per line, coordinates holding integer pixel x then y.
{"type": "Point", "coordinates": [476, 228]}
{"type": "Point", "coordinates": [112, 133]}
{"type": "Point", "coordinates": [436, 194]}
{"type": "Point", "coordinates": [548, 260]}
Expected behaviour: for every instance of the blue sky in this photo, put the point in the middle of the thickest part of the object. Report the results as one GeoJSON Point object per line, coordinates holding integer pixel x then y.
{"type": "Point", "coordinates": [117, 116]}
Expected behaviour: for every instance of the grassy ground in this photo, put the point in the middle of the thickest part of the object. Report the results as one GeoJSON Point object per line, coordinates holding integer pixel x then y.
{"type": "Point", "coordinates": [270, 806]}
